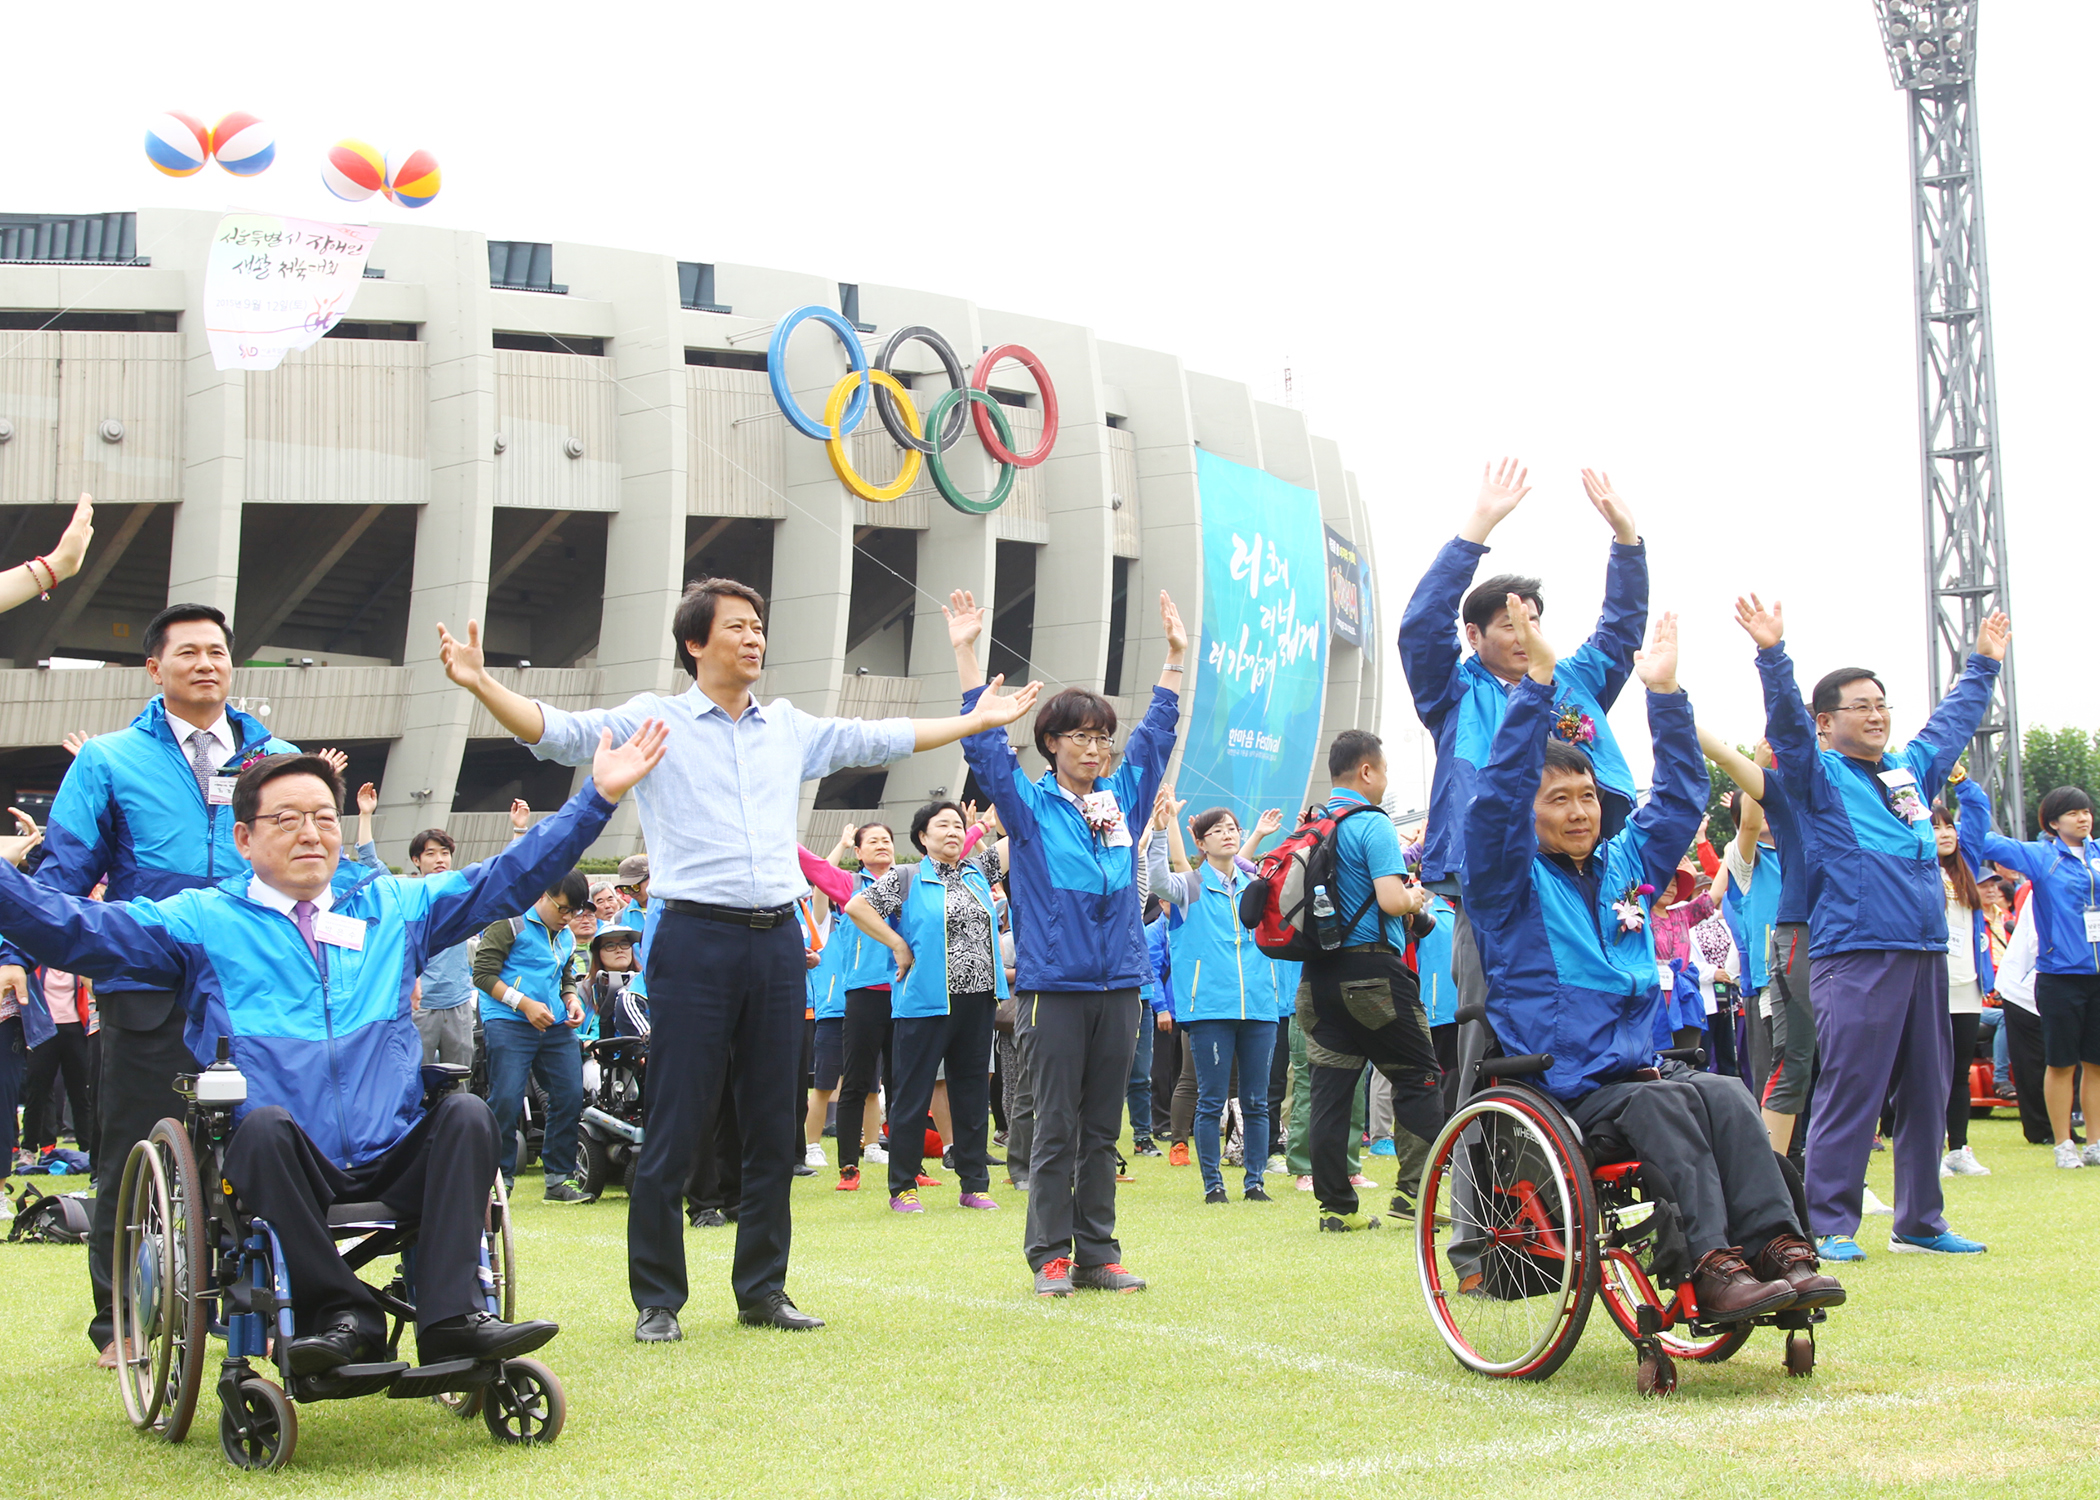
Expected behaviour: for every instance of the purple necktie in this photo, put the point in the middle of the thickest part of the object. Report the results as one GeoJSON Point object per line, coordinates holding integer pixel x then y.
{"type": "Point", "coordinates": [303, 918]}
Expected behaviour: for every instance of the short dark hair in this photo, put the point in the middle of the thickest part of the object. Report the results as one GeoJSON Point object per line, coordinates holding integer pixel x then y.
{"type": "Point", "coordinates": [1486, 600]}
{"type": "Point", "coordinates": [862, 831]}
{"type": "Point", "coordinates": [176, 614]}
{"type": "Point", "coordinates": [926, 815]}
{"type": "Point", "coordinates": [695, 619]}
{"type": "Point", "coordinates": [430, 836]}
{"type": "Point", "coordinates": [248, 786]}
{"type": "Point", "coordinates": [2065, 799]}
{"type": "Point", "coordinates": [574, 888]}
{"type": "Point", "coordinates": [1351, 748]}
{"type": "Point", "coordinates": [1564, 759]}
{"type": "Point", "coordinates": [1831, 686]}
{"type": "Point", "coordinates": [1209, 818]}
{"type": "Point", "coordinates": [1073, 709]}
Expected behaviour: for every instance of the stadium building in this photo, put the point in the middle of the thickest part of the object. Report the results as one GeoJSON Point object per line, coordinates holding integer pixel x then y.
{"type": "Point", "coordinates": [553, 439]}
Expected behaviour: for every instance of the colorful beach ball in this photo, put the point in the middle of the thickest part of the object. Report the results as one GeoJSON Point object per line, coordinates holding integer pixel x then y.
{"type": "Point", "coordinates": [177, 145]}
{"type": "Point", "coordinates": [414, 180]}
{"type": "Point", "coordinates": [353, 171]}
{"type": "Point", "coordinates": [243, 144]}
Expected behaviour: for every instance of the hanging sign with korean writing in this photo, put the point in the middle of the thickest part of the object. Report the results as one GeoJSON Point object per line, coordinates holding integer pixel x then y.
{"type": "Point", "coordinates": [274, 285]}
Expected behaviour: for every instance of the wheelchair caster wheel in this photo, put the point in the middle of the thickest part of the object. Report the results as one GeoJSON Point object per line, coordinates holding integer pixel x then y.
{"type": "Point", "coordinates": [259, 1429]}
{"type": "Point", "coordinates": [1800, 1354]}
{"type": "Point", "coordinates": [1656, 1375]}
{"type": "Point", "coordinates": [465, 1405]}
{"type": "Point", "coordinates": [525, 1404]}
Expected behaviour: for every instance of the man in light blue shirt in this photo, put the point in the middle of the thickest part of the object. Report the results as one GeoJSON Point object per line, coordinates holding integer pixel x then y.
{"type": "Point", "coordinates": [443, 1018]}
{"type": "Point", "coordinates": [725, 969]}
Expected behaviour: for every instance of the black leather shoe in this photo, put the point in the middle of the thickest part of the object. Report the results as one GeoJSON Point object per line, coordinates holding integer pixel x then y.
{"type": "Point", "coordinates": [657, 1325]}
{"type": "Point", "coordinates": [340, 1343]}
{"type": "Point", "coordinates": [480, 1336]}
{"type": "Point", "coordinates": [775, 1311]}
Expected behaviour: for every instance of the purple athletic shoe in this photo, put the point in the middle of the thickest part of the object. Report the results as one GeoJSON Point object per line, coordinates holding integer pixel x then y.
{"type": "Point", "coordinates": [906, 1202]}
{"type": "Point", "coordinates": [976, 1200]}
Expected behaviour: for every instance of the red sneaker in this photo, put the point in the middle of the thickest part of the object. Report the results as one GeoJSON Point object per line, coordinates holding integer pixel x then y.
{"type": "Point", "coordinates": [1055, 1278]}
{"type": "Point", "coordinates": [849, 1180]}
{"type": "Point", "coordinates": [925, 1181]}
{"type": "Point", "coordinates": [1179, 1155]}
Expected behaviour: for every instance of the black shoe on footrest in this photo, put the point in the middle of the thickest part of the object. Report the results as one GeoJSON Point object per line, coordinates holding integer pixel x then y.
{"type": "Point", "coordinates": [480, 1335]}
{"type": "Point", "coordinates": [340, 1343]}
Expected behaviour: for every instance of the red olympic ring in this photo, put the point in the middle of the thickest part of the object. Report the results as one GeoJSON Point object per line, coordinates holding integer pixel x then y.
{"type": "Point", "coordinates": [980, 380]}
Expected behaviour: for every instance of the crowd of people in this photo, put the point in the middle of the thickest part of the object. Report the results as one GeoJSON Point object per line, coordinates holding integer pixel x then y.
{"type": "Point", "coordinates": [1021, 977]}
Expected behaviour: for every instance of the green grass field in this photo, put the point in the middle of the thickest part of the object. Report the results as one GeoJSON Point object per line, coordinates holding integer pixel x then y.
{"type": "Point", "coordinates": [1265, 1359]}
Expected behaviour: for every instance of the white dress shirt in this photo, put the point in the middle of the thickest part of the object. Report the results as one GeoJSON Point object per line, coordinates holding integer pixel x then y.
{"type": "Point", "coordinates": [221, 732]}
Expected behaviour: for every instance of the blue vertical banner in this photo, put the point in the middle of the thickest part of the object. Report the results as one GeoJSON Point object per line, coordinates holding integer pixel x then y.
{"type": "Point", "coordinates": [1261, 668]}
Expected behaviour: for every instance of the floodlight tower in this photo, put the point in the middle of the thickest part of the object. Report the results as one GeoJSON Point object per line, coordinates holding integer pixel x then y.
{"type": "Point", "coordinates": [1932, 57]}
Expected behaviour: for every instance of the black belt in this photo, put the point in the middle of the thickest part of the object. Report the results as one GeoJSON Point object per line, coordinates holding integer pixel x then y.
{"type": "Point", "coordinates": [1380, 947]}
{"type": "Point", "coordinates": [758, 919]}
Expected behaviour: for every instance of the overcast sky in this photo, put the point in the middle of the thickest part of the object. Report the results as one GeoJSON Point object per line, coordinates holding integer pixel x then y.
{"type": "Point", "coordinates": [1670, 240]}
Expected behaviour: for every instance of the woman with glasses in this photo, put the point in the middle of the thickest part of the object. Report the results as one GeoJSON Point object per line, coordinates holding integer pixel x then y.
{"type": "Point", "coordinates": [1080, 952]}
{"type": "Point", "coordinates": [940, 923]}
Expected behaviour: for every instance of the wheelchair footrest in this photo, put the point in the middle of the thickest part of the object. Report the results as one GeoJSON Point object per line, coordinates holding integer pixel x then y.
{"type": "Point", "coordinates": [346, 1381]}
{"type": "Point", "coordinates": [443, 1377]}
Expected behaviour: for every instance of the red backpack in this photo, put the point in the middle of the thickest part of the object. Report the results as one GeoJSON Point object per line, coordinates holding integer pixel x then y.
{"type": "Point", "coordinates": [1289, 905]}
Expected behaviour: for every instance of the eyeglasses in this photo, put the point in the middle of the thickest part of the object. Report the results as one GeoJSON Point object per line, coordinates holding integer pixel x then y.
{"type": "Point", "coordinates": [1869, 709]}
{"type": "Point", "coordinates": [1086, 740]}
{"type": "Point", "coordinates": [289, 823]}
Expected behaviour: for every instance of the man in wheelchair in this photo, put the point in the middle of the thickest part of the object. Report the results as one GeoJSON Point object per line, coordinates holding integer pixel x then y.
{"type": "Point", "coordinates": [1561, 910]}
{"type": "Point", "coordinates": [306, 967]}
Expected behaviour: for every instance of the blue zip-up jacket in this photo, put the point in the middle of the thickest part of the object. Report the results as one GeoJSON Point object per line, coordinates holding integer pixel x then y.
{"type": "Point", "coordinates": [2066, 885]}
{"type": "Point", "coordinates": [922, 921]}
{"type": "Point", "coordinates": [330, 1039]}
{"type": "Point", "coordinates": [863, 962]}
{"type": "Point", "coordinates": [1873, 879]}
{"type": "Point", "coordinates": [129, 812]}
{"type": "Point", "coordinates": [537, 965]}
{"type": "Point", "coordinates": [1224, 977]}
{"type": "Point", "coordinates": [1564, 975]}
{"type": "Point", "coordinates": [1078, 923]}
{"type": "Point", "coordinates": [1158, 993]}
{"type": "Point", "coordinates": [1433, 965]}
{"type": "Point", "coordinates": [1461, 703]}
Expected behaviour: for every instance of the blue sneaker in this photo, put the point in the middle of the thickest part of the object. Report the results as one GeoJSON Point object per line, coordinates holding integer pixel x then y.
{"type": "Point", "coordinates": [1383, 1146]}
{"type": "Point", "coordinates": [1839, 1247]}
{"type": "Point", "coordinates": [1945, 1243]}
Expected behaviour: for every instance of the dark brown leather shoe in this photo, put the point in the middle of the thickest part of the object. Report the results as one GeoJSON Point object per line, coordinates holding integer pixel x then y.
{"type": "Point", "coordinates": [1792, 1259]}
{"type": "Point", "coordinates": [1729, 1292]}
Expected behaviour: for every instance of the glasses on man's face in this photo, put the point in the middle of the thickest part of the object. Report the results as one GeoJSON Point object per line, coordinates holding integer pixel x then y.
{"type": "Point", "coordinates": [289, 823]}
{"type": "Point", "coordinates": [1866, 709]}
{"type": "Point", "coordinates": [1088, 740]}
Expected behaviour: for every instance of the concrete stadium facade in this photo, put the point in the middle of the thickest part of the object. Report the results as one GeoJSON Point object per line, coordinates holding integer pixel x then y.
{"type": "Point", "coordinates": [553, 439]}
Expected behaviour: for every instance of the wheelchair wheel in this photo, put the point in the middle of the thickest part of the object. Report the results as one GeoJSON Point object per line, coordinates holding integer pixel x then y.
{"type": "Point", "coordinates": [259, 1429]}
{"type": "Point", "coordinates": [1625, 1289]}
{"type": "Point", "coordinates": [502, 1252]}
{"type": "Point", "coordinates": [156, 1259]}
{"type": "Point", "coordinates": [593, 1163]}
{"type": "Point", "coordinates": [1505, 1235]}
{"type": "Point", "coordinates": [525, 1404]}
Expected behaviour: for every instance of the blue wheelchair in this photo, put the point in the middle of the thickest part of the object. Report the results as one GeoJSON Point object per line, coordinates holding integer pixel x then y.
{"type": "Point", "coordinates": [190, 1264]}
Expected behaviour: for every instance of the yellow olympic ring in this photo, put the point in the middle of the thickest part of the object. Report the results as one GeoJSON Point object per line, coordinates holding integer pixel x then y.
{"type": "Point", "coordinates": [835, 444]}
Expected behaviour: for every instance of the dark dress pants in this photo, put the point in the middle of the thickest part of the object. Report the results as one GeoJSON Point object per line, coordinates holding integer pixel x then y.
{"type": "Point", "coordinates": [717, 989]}
{"type": "Point", "coordinates": [1078, 1045]}
{"type": "Point", "coordinates": [1167, 1049]}
{"type": "Point", "coordinates": [142, 1051]}
{"type": "Point", "coordinates": [438, 1175]}
{"type": "Point", "coordinates": [963, 1040]}
{"type": "Point", "coordinates": [2023, 1046]}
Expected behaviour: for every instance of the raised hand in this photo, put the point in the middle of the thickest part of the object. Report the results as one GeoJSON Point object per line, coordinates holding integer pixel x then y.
{"type": "Point", "coordinates": [995, 710]}
{"type": "Point", "coordinates": [1268, 823]}
{"type": "Point", "coordinates": [1658, 664]}
{"type": "Point", "coordinates": [15, 848]}
{"type": "Point", "coordinates": [615, 771]}
{"type": "Point", "coordinates": [520, 814]}
{"type": "Point", "coordinates": [1765, 626]}
{"type": "Point", "coordinates": [1502, 488]}
{"type": "Point", "coordinates": [1170, 622]}
{"type": "Point", "coordinates": [367, 800]}
{"type": "Point", "coordinates": [1164, 808]}
{"type": "Point", "coordinates": [1761, 754]}
{"type": "Point", "coordinates": [335, 758]}
{"type": "Point", "coordinates": [71, 551]}
{"type": "Point", "coordinates": [965, 618]}
{"type": "Point", "coordinates": [1538, 655]}
{"type": "Point", "coordinates": [1996, 636]}
{"type": "Point", "coordinates": [464, 661]}
{"type": "Point", "coordinates": [992, 826]}
{"type": "Point", "coordinates": [71, 743]}
{"type": "Point", "coordinates": [1597, 485]}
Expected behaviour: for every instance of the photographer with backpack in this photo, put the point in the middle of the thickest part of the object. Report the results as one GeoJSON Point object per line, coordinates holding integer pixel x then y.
{"type": "Point", "coordinates": [1336, 896]}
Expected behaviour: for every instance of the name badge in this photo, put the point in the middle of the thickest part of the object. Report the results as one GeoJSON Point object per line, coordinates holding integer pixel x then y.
{"type": "Point", "coordinates": [339, 931]}
{"type": "Point", "coordinates": [2092, 924]}
{"type": "Point", "coordinates": [1106, 819]}
{"type": "Point", "coordinates": [218, 791]}
{"type": "Point", "coordinates": [1904, 800]}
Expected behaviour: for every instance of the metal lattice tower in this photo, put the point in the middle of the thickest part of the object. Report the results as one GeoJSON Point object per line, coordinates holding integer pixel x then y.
{"type": "Point", "coordinates": [1932, 58]}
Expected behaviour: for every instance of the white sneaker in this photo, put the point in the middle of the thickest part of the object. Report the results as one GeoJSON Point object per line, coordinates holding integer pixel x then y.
{"type": "Point", "coordinates": [1869, 1204]}
{"type": "Point", "coordinates": [2090, 1156]}
{"type": "Point", "coordinates": [1277, 1166]}
{"type": "Point", "coordinates": [875, 1154]}
{"type": "Point", "coordinates": [814, 1156]}
{"type": "Point", "coordinates": [1962, 1163]}
{"type": "Point", "coordinates": [2067, 1154]}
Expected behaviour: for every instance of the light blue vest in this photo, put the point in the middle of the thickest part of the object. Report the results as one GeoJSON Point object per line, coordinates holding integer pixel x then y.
{"type": "Point", "coordinates": [923, 923]}
{"type": "Point", "coordinates": [827, 981]}
{"type": "Point", "coordinates": [1219, 974]}
{"type": "Point", "coordinates": [862, 961]}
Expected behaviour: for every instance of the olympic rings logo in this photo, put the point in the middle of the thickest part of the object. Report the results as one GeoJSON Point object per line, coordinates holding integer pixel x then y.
{"type": "Point", "coordinates": [922, 441]}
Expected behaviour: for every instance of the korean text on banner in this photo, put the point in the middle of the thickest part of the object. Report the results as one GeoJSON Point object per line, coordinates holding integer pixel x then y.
{"type": "Point", "coordinates": [1345, 571]}
{"type": "Point", "coordinates": [1262, 681]}
{"type": "Point", "coordinates": [274, 285]}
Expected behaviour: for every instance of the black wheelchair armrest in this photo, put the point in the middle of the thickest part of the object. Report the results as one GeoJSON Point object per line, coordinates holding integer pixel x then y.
{"type": "Point", "coordinates": [1696, 1056]}
{"type": "Point", "coordinates": [1515, 1067]}
{"type": "Point", "coordinates": [440, 1079]}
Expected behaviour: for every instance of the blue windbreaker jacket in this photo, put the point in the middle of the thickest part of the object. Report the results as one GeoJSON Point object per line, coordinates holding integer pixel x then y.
{"type": "Point", "coordinates": [1158, 992]}
{"type": "Point", "coordinates": [2066, 885]}
{"type": "Point", "coordinates": [1872, 880]}
{"type": "Point", "coordinates": [1564, 975]}
{"type": "Point", "coordinates": [330, 1041]}
{"type": "Point", "coordinates": [1461, 703]}
{"type": "Point", "coordinates": [1078, 923]}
